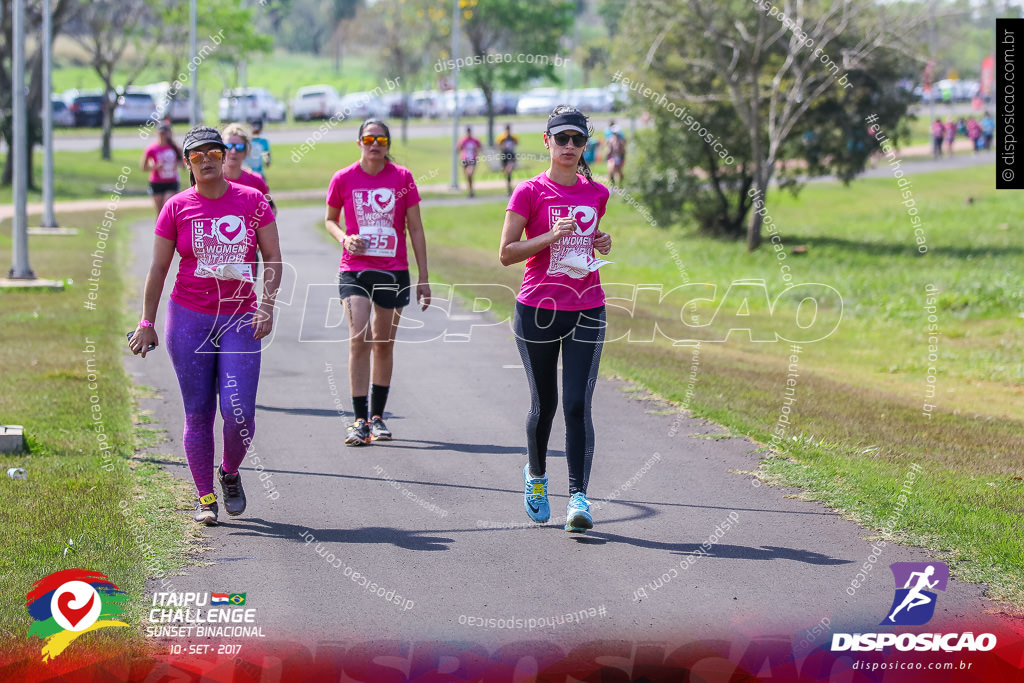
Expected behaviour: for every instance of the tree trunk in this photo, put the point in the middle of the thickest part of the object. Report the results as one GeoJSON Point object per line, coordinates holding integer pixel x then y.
{"type": "Point", "coordinates": [108, 121]}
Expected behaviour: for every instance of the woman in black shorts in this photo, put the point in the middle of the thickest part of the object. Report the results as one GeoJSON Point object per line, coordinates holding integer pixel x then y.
{"type": "Point", "coordinates": [381, 204]}
{"type": "Point", "coordinates": [162, 159]}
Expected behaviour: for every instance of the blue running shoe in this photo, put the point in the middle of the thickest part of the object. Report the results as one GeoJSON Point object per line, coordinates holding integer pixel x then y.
{"type": "Point", "coordinates": [577, 515]}
{"type": "Point", "coordinates": [535, 499]}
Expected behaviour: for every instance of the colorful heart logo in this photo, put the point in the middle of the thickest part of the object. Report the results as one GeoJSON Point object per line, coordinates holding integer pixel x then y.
{"type": "Point", "coordinates": [75, 605]}
{"type": "Point", "coordinates": [72, 614]}
{"type": "Point", "coordinates": [382, 200]}
{"type": "Point", "coordinates": [586, 219]}
{"type": "Point", "coordinates": [229, 229]}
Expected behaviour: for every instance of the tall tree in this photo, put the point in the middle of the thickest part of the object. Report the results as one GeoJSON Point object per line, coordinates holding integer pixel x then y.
{"type": "Point", "coordinates": [62, 11]}
{"type": "Point", "coordinates": [408, 33]}
{"type": "Point", "coordinates": [111, 27]}
{"type": "Point", "coordinates": [763, 66]}
{"type": "Point", "coordinates": [530, 30]}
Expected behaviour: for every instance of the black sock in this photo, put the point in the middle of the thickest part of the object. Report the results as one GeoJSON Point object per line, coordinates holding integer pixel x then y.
{"type": "Point", "coordinates": [359, 407]}
{"type": "Point", "coordinates": [378, 399]}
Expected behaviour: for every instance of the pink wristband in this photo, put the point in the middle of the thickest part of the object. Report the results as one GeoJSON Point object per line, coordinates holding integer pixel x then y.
{"type": "Point", "coordinates": [145, 323]}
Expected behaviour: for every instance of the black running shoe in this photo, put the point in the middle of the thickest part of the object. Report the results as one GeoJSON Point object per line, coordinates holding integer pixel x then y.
{"type": "Point", "coordinates": [358, 433]}
{"type": "Point", "coordinates": [206, 510]}
{"type": "Point", "coordinates": [378, 430]}
{"type": "Point", "coordinates": [234, 495]}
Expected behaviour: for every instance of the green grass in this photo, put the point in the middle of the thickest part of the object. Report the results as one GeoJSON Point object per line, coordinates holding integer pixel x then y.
{"type": "Point", "coordinates": [81, 506]}
{"type": "Point", "coordinates": [857, 422]}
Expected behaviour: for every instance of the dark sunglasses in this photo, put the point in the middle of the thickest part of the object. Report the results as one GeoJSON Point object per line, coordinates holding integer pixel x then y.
{"type": "Point", "coordinates": [237, 146]}
{"type": "Point", "coordinates": [382, 140]}
{"type": "Point", "coordinates": [562, 139]}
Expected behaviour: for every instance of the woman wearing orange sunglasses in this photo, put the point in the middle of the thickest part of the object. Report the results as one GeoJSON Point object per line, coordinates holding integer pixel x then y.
{"type": "Point", "coordinates": [213, 325]}
{"type": "Point", "coordinates": [381, 204]}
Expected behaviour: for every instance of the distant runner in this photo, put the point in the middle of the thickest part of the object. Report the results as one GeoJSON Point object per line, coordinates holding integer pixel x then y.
{"type": "Point", "coordinates": [163, 159]}
{"type": "Point", "coordinates": [507, 143]}
{"type": "Point", "coordinates": [469, 146]}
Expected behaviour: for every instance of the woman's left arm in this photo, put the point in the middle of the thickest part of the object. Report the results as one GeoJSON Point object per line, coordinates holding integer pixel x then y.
{"type": "Point", "coordinates": [270, 249]}
{"type": "Point", "coordinates": [414, 225]}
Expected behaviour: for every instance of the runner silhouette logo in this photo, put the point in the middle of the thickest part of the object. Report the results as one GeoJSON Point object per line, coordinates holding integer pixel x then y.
{"type": "Point", "coordinates": [914, 602]}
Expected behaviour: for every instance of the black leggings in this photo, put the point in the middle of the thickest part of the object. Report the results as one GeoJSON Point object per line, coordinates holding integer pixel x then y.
{"type": "Point", "coordinates": [540, 333]}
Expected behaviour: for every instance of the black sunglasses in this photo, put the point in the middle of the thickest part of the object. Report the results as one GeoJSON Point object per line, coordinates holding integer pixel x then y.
{"type": "Point", "coordinates": [562, 139]}
{"type": "Point", "coordinates": [237, 146]}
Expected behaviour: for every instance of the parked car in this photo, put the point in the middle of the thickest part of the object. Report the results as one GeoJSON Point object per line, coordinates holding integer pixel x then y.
{"type": "Point", "coordinates": [539, 101]}
{"type": "Point", "coordinates": [592, 99]}
{"type": "Point", "coordinates": [315, 102]}
{"type": "Point", "coordinates": [87, 109]}
{"type": "Point", "coordinates": [134, 107]}
{"type": "Point", "coordinates": [259, 105]}
{"type": "Point", "coordinates": [361, 105]}
{"type": "Point", "coordinates": [62, 115]}
{"type": "Point", "coordinates": [504, 102]}
{"type": "Point", "coordinates": [428, 101]}
{"type": "Point", "coordinates": [178, 108]}
{"type": "Point", "coordinates": [471, 103]}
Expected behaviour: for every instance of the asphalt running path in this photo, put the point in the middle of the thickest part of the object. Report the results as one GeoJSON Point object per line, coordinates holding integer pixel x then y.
{"type": "Point", "coordinates": [436, 516]}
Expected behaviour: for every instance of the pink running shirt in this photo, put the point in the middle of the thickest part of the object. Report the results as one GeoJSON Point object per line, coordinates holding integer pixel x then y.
{"type": "Point", "coordinates": [250, 179]}
{"type": "Point", "coordinates": [215, 238]}
{"type": "Point", "coordinates": [374, 207]}
{"type": "Point", "coordinates": [547, 282]}
{"type": "Point", "coordinates": [165, 163]}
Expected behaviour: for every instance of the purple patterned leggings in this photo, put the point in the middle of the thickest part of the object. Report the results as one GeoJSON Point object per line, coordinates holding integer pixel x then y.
{"type": "Point", "coordinates": [214, 355]}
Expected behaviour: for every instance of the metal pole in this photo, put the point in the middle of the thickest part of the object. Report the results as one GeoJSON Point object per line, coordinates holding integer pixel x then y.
{"type": "Point", "coordinates": [455, 82]}
{"type": "Point", "coordinates": [49, 220]}
{"type": "Point", "coordinates": [19, 230]}
{"type": "Point", "coordinates": [196, 116]}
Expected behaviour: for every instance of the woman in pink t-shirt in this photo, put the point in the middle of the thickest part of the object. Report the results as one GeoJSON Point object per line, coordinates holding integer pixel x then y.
{"type": "Point", "coordinates": [560, 307]}
{"type": "Point", "coordinates": [162, 159]}
{"type": "Point", "coordinates": [468, 148]}
{"type": "Point", "coordinates": [236, 137]}
{"type": "Point", "coordinates": [381, 204]}
{"type": "Point", "coordinates": [214, 324]}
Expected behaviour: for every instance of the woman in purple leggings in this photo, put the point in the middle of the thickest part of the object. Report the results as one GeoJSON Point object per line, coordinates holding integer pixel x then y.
{"type": "Point", "coordinates": [213, 324]}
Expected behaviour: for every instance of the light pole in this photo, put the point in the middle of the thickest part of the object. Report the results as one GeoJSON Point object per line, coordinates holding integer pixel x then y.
{"type": "Point", "coordinates": [195, 116]}
{"type": "Point", "coordinates": [49, 220]}
{"type": "Point", "coordinates": [20, 269]}
{"type": "Point", "coordinates": [455, 94]}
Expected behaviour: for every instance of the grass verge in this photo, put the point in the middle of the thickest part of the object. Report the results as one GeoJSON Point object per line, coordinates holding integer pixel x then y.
{"type": "Point", "coordinates": [87, 502]}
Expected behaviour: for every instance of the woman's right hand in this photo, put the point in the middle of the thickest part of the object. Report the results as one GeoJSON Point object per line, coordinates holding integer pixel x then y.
{"type": "Point", "coordinates": [562, 227]}
{"type": "Point", "coordinates": [142, 339]}
{"type": "Point", "coordinates": [354, 244]}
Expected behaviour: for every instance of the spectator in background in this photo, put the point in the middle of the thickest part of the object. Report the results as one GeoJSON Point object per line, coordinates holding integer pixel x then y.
{"type": "Point", "coordinates": [988, 129]}
{"type": "Point", "coordinates": [615, 152]}
{"type": "Point", "coordinates": [937, 137]}
{"type": "Point", "coordinates": [163, 159]}
{"type": "Point", "coordinates": [507, 144]}
{"type": "Point", "coordinates": [950, 130]}
{"type": "Point", "coordinates": [259, 150]}
{"type": "Point", "coordinates": [974, 134]}
{"type": "Point", "coordinates": [468, 147]}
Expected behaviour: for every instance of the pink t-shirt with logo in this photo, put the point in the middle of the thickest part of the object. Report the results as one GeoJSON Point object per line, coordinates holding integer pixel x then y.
{"type": "Point", "coordinates": [469, 146]}
{"type": "Point", "coordinates": [250, 179]}
{"type": "Point", "coordinates": [375, 207]}
{"type": "Point", "coordinates": [216, 240]}
{"type": "Point", "coordinates": [165, 163]}
{"type": "Point", "coordinates": [556, 276]}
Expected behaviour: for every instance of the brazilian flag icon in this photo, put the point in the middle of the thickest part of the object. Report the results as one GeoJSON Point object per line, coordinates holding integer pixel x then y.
{"type": "Point", "coordinates": [237, 598]}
